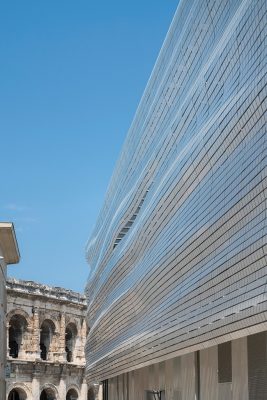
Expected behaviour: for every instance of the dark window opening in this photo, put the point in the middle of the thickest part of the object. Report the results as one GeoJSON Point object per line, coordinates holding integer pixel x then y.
{"type": "Point", "coordinates": [47, 394]}
{"type": "Point", "coordinates": [225, 362]}
{"type": "Point", "coordinates": [91, 394]}
{"type": "Point", "coordinates": [105, 389]}
{"type": "Point", "coordinates": [17, 394]}
{"type": "Point", "coordinates": [257, 366]}
{"type": "Point", "coordinates": [13, 347]}
{"type": "Point", "coordinates": [43, 351]}
{"type": "Point", "coordinates": [70, 339]}
{"type": "Point", "coordinates": [17, 328]}
{"type": "Point", "coordinates": [46, 337]}
{"type": "Point", "coordinates": [13, 395]}
{"type": "Point", "coordinates": [72, 395]}
{"type": "Point", "coordinates": [69, 354]}
{"type": "Point", "coordinates": [43, 395]}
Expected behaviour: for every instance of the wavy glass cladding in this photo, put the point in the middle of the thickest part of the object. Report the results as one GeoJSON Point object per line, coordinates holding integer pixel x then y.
{"type": "Point", "coordinates": [189, 270]}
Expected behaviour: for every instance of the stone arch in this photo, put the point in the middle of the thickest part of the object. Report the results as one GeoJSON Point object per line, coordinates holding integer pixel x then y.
{"type": "Point", "coordinates": [72, 393]}
{"type": "Point", "coordinates": [46, 316]}
{"type": "Point", "coordinates": [72, 320]}
{"type": "Point", "coordinates": [71, 334]}
{"type": "Point", "coordinates": [47, 337]}
{"type": "Point", "coordinates": [73, 386]}
{"type": "Point", "coordinates": [18, 391]}
{"type": "Point", "coordinates": [18, 325]}
{"type": "Point", "coordinates": [18, 311]}
{"type": "Point", "coordinates": [17, 394]}
{"type": "Point", "coordinates": [48, 392]}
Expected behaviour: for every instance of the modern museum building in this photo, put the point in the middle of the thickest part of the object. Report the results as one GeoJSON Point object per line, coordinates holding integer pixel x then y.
{"type": "Point", "coordinates": [177, 293]}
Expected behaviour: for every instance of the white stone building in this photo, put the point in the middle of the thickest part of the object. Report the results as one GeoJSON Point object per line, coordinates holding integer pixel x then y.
{"type": "Point", "coordinates": [46, 333]}
{"type": "Point", "coordinates": [9, 254]}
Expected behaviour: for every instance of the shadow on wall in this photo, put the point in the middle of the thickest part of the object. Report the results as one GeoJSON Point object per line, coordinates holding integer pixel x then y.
{"type": "Point", "coordinates": [17, 328]}
{"type": "Point", "coordinates": [17, 394]}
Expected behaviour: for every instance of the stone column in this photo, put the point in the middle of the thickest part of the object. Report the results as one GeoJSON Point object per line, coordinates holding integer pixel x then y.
{"type": "Point", "coordinates": [83, 395]}
{"type": "Point", "coordinates": [62, 384]}
{"type": "Point", "coordinates": [81, 339]}
{"type": "Point", "coordinates": [35, 342]}
{"type": "Point", "coordinates": [3, 309]}
{"type": "Point", "coordinates": [83, 333]}
{"type": "Point", "coordinates": [36, 383]}
{"type": "Point", "coordinates": [31, 353]}
{"type": "Point", "coordinates": [61, 349]}
{"type": "Point", "coordinates": [7, 338]}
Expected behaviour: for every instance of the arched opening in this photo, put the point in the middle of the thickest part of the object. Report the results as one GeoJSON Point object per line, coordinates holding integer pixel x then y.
{"type": "Point", "coordinates": [48, 394]}
{"type": "Point", "coordinates": [46, 337]}
{"type": "Point", "coordinates": [17, 328]}
{"type": "Point", "coordinates": [91, 394]}
{"type": "Point", "coordinates": [17, 394]}
{"type": "Point", "coordinates": [70, 339]}
{"type": "Point", "coordinates": [72, 395]}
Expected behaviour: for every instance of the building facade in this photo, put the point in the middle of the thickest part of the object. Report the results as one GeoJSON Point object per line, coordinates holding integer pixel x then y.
{"type": "Point", "coordinates": [177, 294]}
{"type": "Point", "coordinates": [46, 333]}
{"type": "Point", "coordinates": [9, 254]}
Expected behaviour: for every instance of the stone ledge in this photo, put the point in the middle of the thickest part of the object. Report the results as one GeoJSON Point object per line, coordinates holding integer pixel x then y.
{"type": "Point", "coordinates": [40, 290]}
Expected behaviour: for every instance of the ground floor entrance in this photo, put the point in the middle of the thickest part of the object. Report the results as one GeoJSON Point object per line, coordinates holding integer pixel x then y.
{"type": "Point", "coordinates": [231, 370]}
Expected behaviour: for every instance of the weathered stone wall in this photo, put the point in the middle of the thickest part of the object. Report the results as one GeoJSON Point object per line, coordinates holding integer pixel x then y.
{"type": "Point", "coordinates": [2, 327]}
{"type": "Point", "coordinates": [9, 254]}
{"type": "Point", "coordinates": [42, 314]}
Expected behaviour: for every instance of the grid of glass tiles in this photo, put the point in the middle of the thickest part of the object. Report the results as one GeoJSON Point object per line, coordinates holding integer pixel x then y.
{"type": "Point", "coordinates": [190, 269]}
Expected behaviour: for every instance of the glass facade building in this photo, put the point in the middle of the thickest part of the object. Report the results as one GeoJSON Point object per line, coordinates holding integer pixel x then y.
{"type": "Point", "coordinates": [177, 293]}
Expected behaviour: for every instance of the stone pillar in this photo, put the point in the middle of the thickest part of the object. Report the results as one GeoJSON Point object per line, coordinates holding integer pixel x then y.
{"type": "Point", "coordinates": [36, 383]}
{"type": "Point", "coordinates": [35, 343]}
{"type": "Point", "coordinates": [3, 348]}
{"type": "Point", "coordinates": [83, 395]}
{"type": "Point", "coordinates": [29, 345]}
{"type": "Point", "coordinates": [83, 334]}
{"type": "Point", "coordinates": [61, 349]}
{"type": "Point", "coordinates": [62, 384]}
{"type": "Point", "coordinates": [7, 338]}
{"type": "Point", "coordinates": [31, 353]}
{"type": "Point", "coordinates": [81, 339]}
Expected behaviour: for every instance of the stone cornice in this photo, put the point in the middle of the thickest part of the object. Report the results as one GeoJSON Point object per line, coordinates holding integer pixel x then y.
{"type": "Point", "coordinates": [58, 294]}
{"type": "Point", "coordinates": [66, 365]}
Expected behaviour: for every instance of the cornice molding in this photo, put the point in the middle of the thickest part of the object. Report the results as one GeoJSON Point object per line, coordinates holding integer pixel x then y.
{"type": "Point", "coordinates": [29, 288]}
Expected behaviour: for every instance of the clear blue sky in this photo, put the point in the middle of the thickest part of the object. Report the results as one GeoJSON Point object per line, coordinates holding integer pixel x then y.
{"type": "Point", "coordinates": [72, 74]}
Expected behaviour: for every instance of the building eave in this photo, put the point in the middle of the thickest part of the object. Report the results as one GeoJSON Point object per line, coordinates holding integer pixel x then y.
{"type": "Point", "coordinates": [8, 243]}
